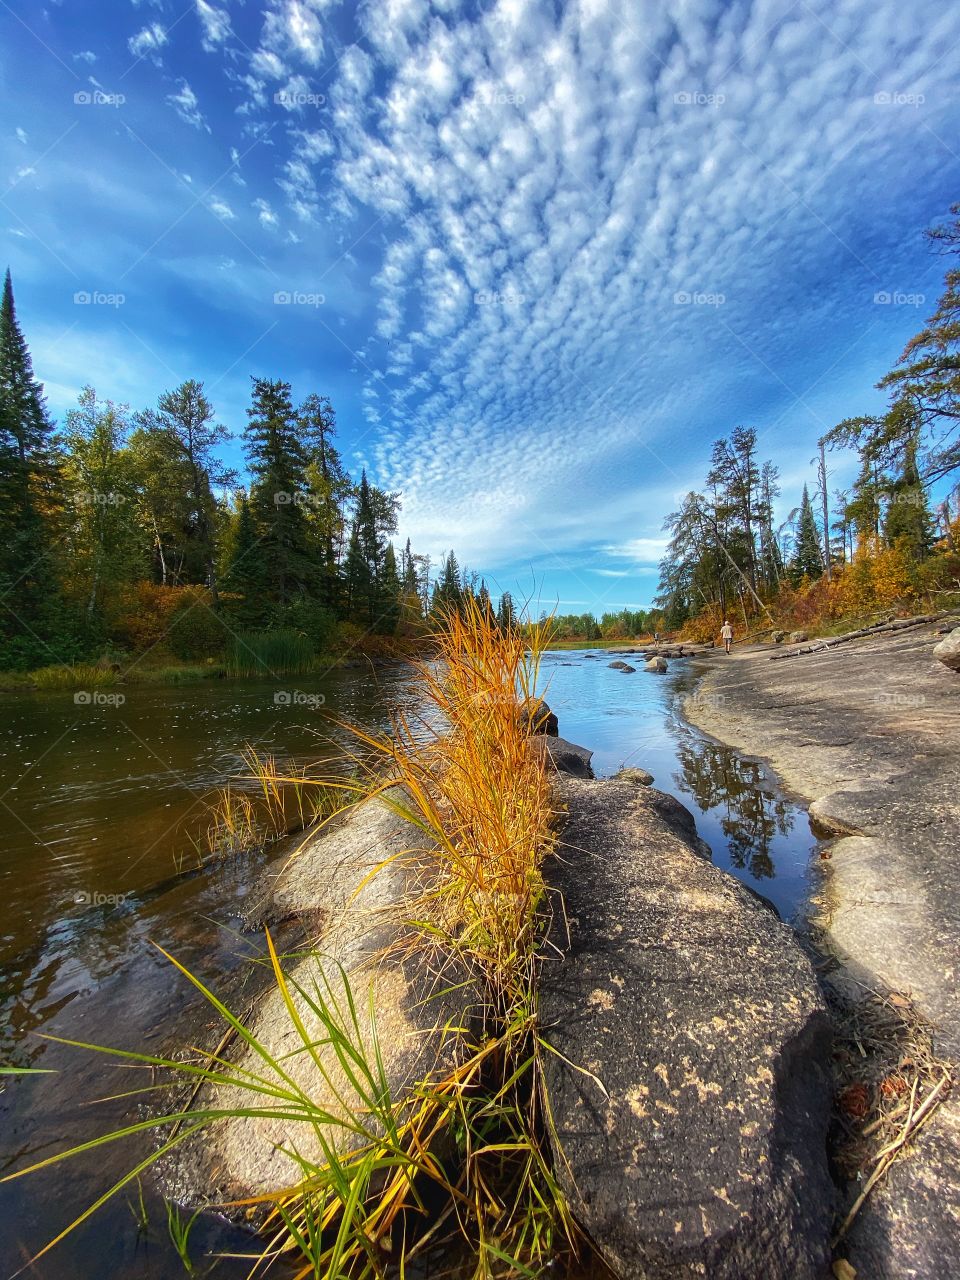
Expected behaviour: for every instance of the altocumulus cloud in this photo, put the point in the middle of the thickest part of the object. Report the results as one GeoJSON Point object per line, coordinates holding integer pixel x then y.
{"type": "Point", "coordinates": [580, 205]}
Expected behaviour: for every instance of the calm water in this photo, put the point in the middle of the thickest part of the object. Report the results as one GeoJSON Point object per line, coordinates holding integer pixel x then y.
{"type": "Point", "coordinates": [98, 806]}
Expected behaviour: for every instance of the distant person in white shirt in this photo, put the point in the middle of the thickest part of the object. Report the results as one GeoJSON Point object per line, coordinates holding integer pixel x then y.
{"type": "Point", "coordinates": [726, 634]}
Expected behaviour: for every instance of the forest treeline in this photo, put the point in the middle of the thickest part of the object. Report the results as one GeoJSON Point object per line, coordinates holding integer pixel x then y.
{"type": "Point", "coordinates": [884, 542]}
{"type": "Point", "coordinates": [125, 533]}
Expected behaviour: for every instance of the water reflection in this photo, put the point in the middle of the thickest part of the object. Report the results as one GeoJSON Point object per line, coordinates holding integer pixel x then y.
{"type": "Point", "coordinates": [749, 812]}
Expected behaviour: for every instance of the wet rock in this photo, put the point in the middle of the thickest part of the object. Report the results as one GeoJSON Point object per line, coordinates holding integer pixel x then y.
{"type": "Point", "coordinates": [948, 650]}
{"type": "Point", "coordinates": [618, 665]}
{"type": "Point", "coordinates": [254, 1155]}
{"type": "Point", "coordinates": [567, 757]}
{"type": "Point", "coordinates": [627, 669]}
{"type": "Point", "coordinates": [544, 721]}
{"type": "Point", "coordinates": [658, 665]}
{"type": "Point", "coordinates": [704, 1153]}
{"type": "Point", "coordinates": [639, 777]}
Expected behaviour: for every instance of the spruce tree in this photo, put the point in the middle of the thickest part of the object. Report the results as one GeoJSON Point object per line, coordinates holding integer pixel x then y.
{"type": "Point", "coordinates": [29, 497]}
{"type": "Point", "coordinates": [807, 559]}
{"type": "Point", "coordinates": [278, 496]}
{"type": "Point", "coordinates": [330, 488]}
{"type": "Point", "coordinates": [363, 558]}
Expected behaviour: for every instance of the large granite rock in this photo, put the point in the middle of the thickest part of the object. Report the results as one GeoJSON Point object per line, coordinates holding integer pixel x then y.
{"type": "Point", "coordinates": [544, 720]}
{"type": "Point", "coordinates": [659, 665]}
{"type": "Point", "coordinates": [703, 1153]}
{"type": "Point", "coordinates": [331, 880]}
{"type": "Point", "coordinates": [948, 650]}
{"type": "Point", "coordinates": [567, 757]}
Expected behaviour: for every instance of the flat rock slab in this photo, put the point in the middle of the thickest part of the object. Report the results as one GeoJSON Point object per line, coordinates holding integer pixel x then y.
{"type": "Point", "coordinates": [869, 732]}
{"type": "Point", "coordinates": [704, 1154]}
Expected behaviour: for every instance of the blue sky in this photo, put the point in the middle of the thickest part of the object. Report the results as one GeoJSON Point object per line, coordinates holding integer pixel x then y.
{"type": "Point", "coordinates": [539, 255]}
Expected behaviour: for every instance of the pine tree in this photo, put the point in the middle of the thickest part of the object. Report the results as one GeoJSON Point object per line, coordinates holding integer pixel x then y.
{"type": "Point", "coordinates": [278, 495]}
{"type": "Point", "coordinates": [807, 559]}
{"type": "Point", "coordinates": [28, 496]}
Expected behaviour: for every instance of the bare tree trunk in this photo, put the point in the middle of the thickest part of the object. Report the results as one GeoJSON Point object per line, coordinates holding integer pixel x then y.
{"type": "Point", "coordinates": [822, 477]}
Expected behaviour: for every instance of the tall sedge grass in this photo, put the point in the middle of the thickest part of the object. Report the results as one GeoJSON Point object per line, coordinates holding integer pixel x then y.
{"type": "Point", "coordinates": [80, 676]}
{"type": "Point", "coordinates": [269, 653]}
{"type": "Point", "coordinates": [477, 787]}
{"type": "Point", "coordinates": [263, 805]}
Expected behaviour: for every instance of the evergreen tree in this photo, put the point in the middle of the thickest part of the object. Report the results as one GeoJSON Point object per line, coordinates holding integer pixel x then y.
{"type": "Point", "coordinates": [278, 495]}
{"type": "Point", "coordinates": [363, 558]}
{"type": "Point", "coordinates": [330, 489]}
{"type": "Point", "coordinates": [448, 594]}
{"type": "Point", "coordinates": [908, 522]}
{"type": "Point", "coordinates": [245, 570]}
{"type": "Point", "coordinates": [29, 498]}
{"type": "Point", "coordinates": [807, 559]}
{"type": "Point", "coordinates": [390, 593]}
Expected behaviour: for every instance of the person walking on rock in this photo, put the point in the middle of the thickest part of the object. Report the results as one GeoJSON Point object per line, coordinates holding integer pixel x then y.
{"type": "Point", "coordinates": [726, 634]}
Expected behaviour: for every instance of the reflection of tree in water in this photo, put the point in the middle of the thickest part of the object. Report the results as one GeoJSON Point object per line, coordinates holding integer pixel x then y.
{"type": "Point", "coordinates": [752, 815]}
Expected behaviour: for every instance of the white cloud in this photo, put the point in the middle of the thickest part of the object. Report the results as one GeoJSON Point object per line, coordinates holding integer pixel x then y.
{"type": "Point", "coordinates": [22, 135]}
{"type": "Point", "coordinates": [85, 55]}
{"type": "Point", "coordinates": [148, 42]}
{"type": "Point", "coordinates": [215, 23]}
{"type": "Point", "coordinates": [552, 183]}
{"type": "Point", "coordinates": [266, 215]}
{"type": "Point", "coordinates": [184, 102]}
{"type": "Point", "coordinates": [221, 209]}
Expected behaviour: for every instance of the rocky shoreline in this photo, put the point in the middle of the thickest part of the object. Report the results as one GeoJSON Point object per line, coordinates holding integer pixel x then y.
{"type": "Point", "coordinates": [691, 1084]}
{"type": "Point", "coordinates": [869, 735]}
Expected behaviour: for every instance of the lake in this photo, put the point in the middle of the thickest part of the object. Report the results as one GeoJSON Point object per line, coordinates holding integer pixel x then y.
{"type": "Point", "coordinates": [101, 803]}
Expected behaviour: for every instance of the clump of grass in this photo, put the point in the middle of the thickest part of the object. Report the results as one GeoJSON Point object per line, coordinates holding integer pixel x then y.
{"type": "Point", "coordinates": [477, 787]}
{"type": "Point", "coordinates": [79, 676]}
{"type": "Point", "coordinates": [269, 653]}
{"type": "Point", "coordinates": [264, 805]}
